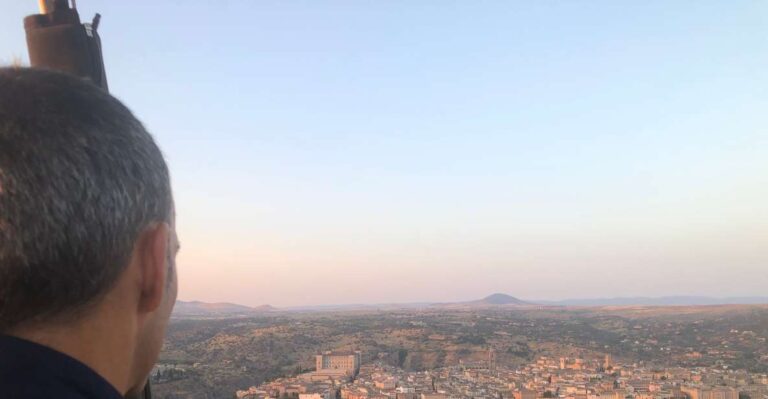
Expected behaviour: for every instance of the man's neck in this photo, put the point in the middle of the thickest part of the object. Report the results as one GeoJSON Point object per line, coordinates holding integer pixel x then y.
{"type": "Point", "coordinates": [94, 342]}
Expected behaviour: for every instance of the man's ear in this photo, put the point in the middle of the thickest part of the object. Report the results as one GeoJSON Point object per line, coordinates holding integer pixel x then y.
{"type": "Point", "coordinates": [153, 254]}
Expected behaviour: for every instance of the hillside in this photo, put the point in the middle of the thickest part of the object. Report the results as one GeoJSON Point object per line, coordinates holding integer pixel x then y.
{"type": "Point", "coordinates": [659, 301]}
{"type": "Point", "coordinates": [212, 357]}
{"type": "Point", "coordinates": [220, 309]}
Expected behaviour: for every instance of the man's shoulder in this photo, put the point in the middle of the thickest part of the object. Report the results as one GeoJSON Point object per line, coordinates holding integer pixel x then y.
{"type": "Point", "coordinates": [25, 389]}
{"type": "Point", "coordinates": [30, 371]}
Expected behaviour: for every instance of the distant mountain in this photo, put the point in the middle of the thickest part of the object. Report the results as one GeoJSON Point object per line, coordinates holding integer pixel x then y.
{"type": "Point", "coordinates": [492, 300]}
{"type": "Point", "coordinates": [358, 307]}
{"type": "Point", "coordinates": [500, 299]}
{"type": "Point", "coordinates": [205, 309]}
{"type": "Point", "coordinates": [223, 309]}
{"type": "Point", "coordinates": [659, 301]}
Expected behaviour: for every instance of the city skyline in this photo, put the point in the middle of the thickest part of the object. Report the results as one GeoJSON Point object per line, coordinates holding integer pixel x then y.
{"type": "Point", "coordinates": [606, 353]}
{"type": "Point", "coordinates": [397, 152]}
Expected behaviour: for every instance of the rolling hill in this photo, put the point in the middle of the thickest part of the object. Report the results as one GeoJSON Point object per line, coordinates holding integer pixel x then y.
{"type": "Point", "coordinates": [219, 309]}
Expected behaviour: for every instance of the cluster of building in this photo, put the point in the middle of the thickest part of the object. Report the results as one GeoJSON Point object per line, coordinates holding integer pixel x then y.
{"type": "Point", "coordinates": [340, 376]}
{"type": "Point", "coordinates": [332, 370]}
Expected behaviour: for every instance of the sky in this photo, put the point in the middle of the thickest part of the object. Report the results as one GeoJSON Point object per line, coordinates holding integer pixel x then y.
{"type": "Point", "coordinates": [335, 152]}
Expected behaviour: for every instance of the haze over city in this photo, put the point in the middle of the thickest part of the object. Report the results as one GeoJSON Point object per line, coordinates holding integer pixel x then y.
{"type": "Point", "coordinates": [350, 152]}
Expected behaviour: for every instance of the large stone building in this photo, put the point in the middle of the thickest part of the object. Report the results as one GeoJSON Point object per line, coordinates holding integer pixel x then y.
{"type": "Point", "coordinates": [710, 393]}
{"type": "Point", "coordinates": [336, 363]}
{"type": "Point", "coordinates": [524, 394]}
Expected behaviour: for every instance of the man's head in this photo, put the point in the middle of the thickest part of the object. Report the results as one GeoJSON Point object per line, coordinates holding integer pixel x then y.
{"type": "Point", "coordinates": [86, 212]}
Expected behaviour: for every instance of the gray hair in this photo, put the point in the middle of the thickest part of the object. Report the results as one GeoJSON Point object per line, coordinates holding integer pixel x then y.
{"type": "Point", "coordinates": [80, 178]}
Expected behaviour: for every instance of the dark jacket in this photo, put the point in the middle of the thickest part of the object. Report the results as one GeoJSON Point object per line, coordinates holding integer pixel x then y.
{"type": "Point", "coordinates": [32, 371]}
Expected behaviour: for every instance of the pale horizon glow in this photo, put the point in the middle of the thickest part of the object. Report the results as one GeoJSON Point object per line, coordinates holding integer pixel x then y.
{"type": "Point", "coordinates": [391, 152]}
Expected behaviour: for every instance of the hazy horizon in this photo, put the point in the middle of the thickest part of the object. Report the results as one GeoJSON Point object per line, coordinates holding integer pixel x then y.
{"type": "Point", "coordinates": [395, 152]}
{"type": "Point", "coordinates": [711, 300]}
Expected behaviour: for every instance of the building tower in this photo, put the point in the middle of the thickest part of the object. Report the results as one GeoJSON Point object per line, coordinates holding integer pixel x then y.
{"type": "Point", "coordinates": [491, 359]}
{"type": "Point", "coordinates": [608, 363]}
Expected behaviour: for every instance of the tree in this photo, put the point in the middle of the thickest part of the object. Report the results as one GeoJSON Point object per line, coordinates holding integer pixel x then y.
{"type": "Point", "coordinates": [401, 355]}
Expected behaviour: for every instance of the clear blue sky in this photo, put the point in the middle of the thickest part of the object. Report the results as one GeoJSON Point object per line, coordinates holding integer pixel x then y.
{"type": "Point", "coordinates": [337, 152]}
